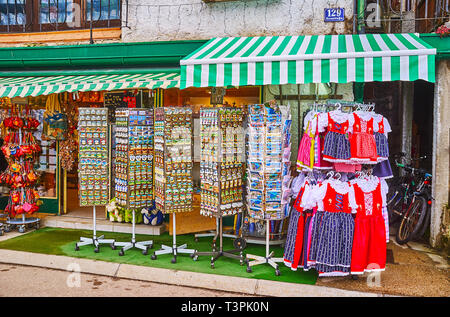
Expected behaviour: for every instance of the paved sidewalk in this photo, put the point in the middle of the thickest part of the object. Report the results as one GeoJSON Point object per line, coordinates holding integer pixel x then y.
{"type": "Point", "coordinates": [412, 270]}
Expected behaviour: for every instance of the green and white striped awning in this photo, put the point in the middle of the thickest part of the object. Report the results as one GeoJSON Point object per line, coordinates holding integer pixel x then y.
{"type": "Point", "coordinates": [241, 61]}
{"type": "Point", "coordinates": [45, 85]}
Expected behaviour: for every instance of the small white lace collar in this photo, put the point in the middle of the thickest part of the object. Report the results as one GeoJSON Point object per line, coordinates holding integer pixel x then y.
{"type": "Point", "coordinates": [367, 184]}
{"type": "Point", "coordinates": [339, 186]}
{"type": "Point", "coordinates": [339, 116]}
{"type": "Point", "coordinates": [365, 115]}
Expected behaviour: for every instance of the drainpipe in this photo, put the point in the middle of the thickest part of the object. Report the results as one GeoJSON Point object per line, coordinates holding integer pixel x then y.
{"type": "Point", "coordinates": [359, 5]}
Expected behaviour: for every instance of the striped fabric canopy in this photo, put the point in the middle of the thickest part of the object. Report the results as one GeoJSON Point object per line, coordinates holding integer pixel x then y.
{"type": "Point", "coordinates": [45, 85]}
{"type": "Point", "coordinates": [240, 61]}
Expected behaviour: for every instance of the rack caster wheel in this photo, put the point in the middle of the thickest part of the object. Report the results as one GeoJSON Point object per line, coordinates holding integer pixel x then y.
{"type": "Point", "coordinates": [96, 250]}
{"type": "Point", "coordinates": [121, 253]}
{"type": "Point", "coordinates": [145, 252]}
{"type": "Point", "coordinates": [249, 269]}
{"type": "Point", "coordinates": [174, 260]}
{"type": "Point", "coordinates": [113, 247]}
{"type": "Point", "coordinates": [77, 248]}
{"type": "Point", "coordinates": [153, 257]}
{"type": "Point", "coordinates": [277, 272]}
{"type": "Point", "coordinates": [195, 258]}
{"type": "Point", "coordinates": [212, 265]}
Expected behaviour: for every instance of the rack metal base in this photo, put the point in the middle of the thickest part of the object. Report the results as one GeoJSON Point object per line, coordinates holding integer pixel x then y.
{"type": "Point", "coordinates": [174, 249]}
{"type": "Point", "coordinates": [143, 245]}
{"type": "Point", "coordinates": [268, 259]}
{"type": "Point", "coordinates": [21, 223]}
{"type": "Point", "coordinates": [264, 260]}
{"type": "Point", "coordinates": [94, 241]}
{"type": "Point", "coordinates": [216, 253]}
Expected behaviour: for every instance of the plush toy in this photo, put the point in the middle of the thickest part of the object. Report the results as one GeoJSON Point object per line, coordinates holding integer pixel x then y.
{"type": "Point", "coordinates": [129, 216]}
{"type": "Point", "coordinates": [154, 218]}
{"type": "Point", "coordinates": [113, 211]}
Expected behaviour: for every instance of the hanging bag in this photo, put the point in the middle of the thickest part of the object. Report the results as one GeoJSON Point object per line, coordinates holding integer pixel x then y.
{"type": "Point", "coordinates": [55, 120]}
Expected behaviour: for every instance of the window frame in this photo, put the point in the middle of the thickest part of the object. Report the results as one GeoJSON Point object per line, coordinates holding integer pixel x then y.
{"type": "Point", "coordinates": [32, 11]}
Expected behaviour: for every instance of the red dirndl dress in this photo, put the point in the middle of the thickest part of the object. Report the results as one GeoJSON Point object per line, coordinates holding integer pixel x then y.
{"type": "Point", "coordinates": [362, 141]}
{"type": "Point", "coordinates": [369, 240]}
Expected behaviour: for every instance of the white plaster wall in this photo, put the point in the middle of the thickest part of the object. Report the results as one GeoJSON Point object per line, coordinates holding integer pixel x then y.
{"type": "Point", "coordinates": [163, 20]}
{"type": "Point", "coordinates": [441, 154]}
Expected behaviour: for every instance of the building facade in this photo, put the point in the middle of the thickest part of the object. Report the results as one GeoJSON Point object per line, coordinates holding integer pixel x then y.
{"type": "Point", "coordinates": [81, 22]}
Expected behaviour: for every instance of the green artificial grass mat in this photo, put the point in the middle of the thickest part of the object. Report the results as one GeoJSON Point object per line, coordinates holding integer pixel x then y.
{"type": "Point", "coordinates": [59, 241]}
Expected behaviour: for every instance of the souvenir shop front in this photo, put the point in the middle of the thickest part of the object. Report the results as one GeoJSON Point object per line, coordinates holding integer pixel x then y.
{"type": "Point", "coordinates": [331, 186]}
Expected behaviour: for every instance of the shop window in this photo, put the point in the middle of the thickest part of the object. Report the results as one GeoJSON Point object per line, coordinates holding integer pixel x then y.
{"type": "Point", "coordinates": [54, 15]}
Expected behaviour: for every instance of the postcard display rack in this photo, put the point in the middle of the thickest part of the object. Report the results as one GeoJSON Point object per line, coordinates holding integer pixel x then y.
{"type": "Point", "coordinates": [221, 170]}
{"type": "Point", "coordinates": [268, 165]}
{"type": "Point", "coordinates": [134, 167]}
{"type": "Point", "coordinates": [93, 167]}
{"type": "Point", "coordinates": [173, 169]}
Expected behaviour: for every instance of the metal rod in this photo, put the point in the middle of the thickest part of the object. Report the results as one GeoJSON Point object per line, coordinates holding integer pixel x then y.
{"type": "Point", "coordinates": [90, 23]}
{"type": "Point", "coordinates": [94, 222]}
{"type": "Point", "coordinates": [267, 237]}
{"type": "Point", "coordinates": [174, 231]}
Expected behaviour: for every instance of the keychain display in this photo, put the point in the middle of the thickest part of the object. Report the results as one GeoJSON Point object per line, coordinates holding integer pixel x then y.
{"type": "Point", "coordinates": [93, 162]}
{"type": "Point", "coordinates": [221, 161]}
{"type": "Point", "coordinates": [134, 158]}
{"type": "Point", "coordinates": [268, 161]}
{"type": "Point", "coordinates": [173, 159]}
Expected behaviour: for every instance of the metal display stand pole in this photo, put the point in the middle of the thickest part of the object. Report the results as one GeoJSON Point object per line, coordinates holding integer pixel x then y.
{"type": "Point", "coordinates": [174, 249]}
{"type": "Point", "coordinates": [217, 253]}
{"type": "Point", "coordinates": [96, 241]}
{"type": "Point", "coordinates": [269, 259]}
{"type": "Point", "coordinates": [143, 245]}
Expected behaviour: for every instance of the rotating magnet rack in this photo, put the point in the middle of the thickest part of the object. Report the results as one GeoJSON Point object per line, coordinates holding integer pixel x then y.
{"type": "Point", "coordinates": [134, 167]}
{"type": "Point", "coordinates": [93, 167]}
{"type": "Point", "coordinates": [221, 175]}
{"type": "Point", "coordinates": [173, 155]}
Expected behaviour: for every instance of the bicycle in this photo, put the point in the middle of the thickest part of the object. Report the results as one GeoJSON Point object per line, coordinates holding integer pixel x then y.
{"type": "Point", "coordinates": [417, 217]}
{"type": "Point", "coordinates": [400, 191]}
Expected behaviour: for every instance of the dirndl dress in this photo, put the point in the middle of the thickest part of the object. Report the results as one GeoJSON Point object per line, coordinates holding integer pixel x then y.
{"type": "Point", "coordinates": [362, 141]}
{"type": "Point", "coordinates": [381, 141]}
{"type": "Point", "coordinates": [332, 232]}
{"type": "Point", "coordinates": [383, 170]}
{"type": "Point", "coordinates": [294, 239]}
{"type": "Point", "coordinates": [305, 157]}
{"type": "Point", "coordinates": [336, 144]}
{"type": "Point", "coordinates": [369, 241]}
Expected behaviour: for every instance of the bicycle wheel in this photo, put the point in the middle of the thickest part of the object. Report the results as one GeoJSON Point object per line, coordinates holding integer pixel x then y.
{"type": "Point", "coordinates": [394, 204]}
{"type": "Point", "coordinates": [412, 220]}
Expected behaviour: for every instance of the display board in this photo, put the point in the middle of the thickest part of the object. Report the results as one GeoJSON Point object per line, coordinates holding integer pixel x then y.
{"type": "Point", "coordinates": [268, 161]}
{"type": "Point", "coordinates": [221, 161]}
{"type": "Point", "coordinates": [173, 159]}
{"type": "Point", "coordinates": [134, 158]}
{"type": "Point", "coordinates": [93, 154]}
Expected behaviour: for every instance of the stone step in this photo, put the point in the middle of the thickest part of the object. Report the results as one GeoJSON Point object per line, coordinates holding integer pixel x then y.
{"type": "Point", "coordinates": [101, 225]}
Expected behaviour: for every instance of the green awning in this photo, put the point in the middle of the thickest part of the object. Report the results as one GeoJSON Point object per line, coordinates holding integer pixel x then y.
{"type": "Point", "coordinates": [241, 61]}
{"type": "Point", "coordinates": [45, 85]}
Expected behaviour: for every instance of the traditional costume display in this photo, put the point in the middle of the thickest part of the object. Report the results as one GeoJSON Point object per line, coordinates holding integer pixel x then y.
{"type": "Point", "coordinates": [339, 223]}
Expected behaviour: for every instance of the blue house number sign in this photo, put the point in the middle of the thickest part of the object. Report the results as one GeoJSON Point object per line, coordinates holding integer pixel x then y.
{"type": "Point", "coordinates": [334, 14]}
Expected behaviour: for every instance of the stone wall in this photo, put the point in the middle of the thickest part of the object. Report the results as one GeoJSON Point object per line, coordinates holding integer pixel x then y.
{"type": "Point", "coordinates": [163, 20]}
{"type": "Point", "coordinates": [439, 226]}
